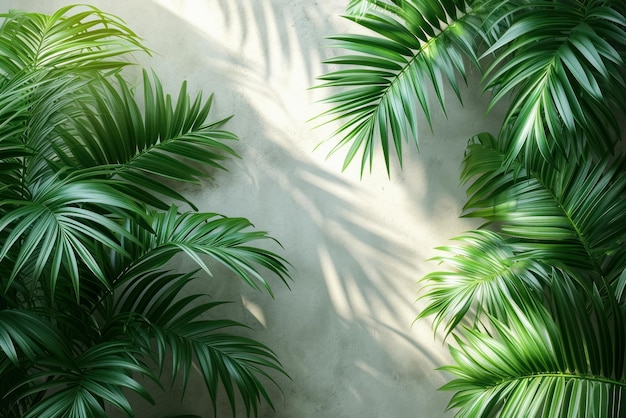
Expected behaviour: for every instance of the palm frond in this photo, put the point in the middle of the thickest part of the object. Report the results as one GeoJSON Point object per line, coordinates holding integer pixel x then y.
{"type": "Point", "coordinates": [384, 79]}
{"type": "Point", "coordinates": [227, 241]}
{"type": "Point", "coordinates": [152, 309]}
{"type": "Point", "coordinates": [568, 213]}
{"type": "Point", "coordinates": [59, 223]}
{"type": "Point", "coordinates": [358, 7]}
{"type": "Point", "coordinates": [85, 41]}
{"type": "Point", "coordinates": [146, 146]}
{"type": "Point", "coordinates": [565, 360]}
{"type": "Point", "coordinates": [13, 122]}
{"type": "Point", "coordinates": [487, 275]}
{"type": "Point", "coordinates": [24, 333]}
{"type": "Point", "coordinates": [25, 337]}
{"type": "Point", "coordinates": [564, 66]}
{"type": "Point", "coordinates": [80, 386]}
{"type": "Point", "coordinates": [83, 297]}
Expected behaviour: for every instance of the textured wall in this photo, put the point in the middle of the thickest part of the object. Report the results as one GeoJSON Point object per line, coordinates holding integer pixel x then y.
{"type": "Point", "coordinates": [345, 330]}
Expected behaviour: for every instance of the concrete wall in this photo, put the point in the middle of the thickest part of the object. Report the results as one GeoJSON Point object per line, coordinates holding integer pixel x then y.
{"type": "Point", "coordinates": [345, 331]}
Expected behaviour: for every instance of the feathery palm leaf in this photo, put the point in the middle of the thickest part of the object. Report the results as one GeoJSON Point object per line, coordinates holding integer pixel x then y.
{"type": "Point", "coordinates": [487, 275]}
{"type": "Point", "coordinates": [227, 241]}
{"type": "Point", "coordinates": [86, 41]}
{"type": "Point", "coordinates": [384, 79]}
{"type": "Point", "coordinates": [82, 162]}
{"type": "Point", "coordinates": [153, 309]}
{"type": "Point", "coordinates": [59, 223]}
{"type": "Point", "coordinates": [542, 296]}
{"type": "Point", "coordinates": [571, 214]}
{"type": "Point", "coordinates": [145, 145]}
{"type": "Point", "coordinates": [24, 333]}
{"type": "Point", "coordinates": [564, 360]}
{"type": "Point", "coordinates": [25, 337]}
{"type": "Point", "coordinates": [81, 384]}
{"type": "Point", "coordinates": [563, 62]}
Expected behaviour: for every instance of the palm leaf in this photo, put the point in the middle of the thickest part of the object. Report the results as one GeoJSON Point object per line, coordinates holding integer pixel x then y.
{"type": "Point", "coordinates": [358, 7]}
{"type": "Point", "coordinates": [79, 386]}
{"type": "Point", "coordinates": [226, 241]}
{"type": "Point", "coordinates": [25, 338]}
{"type": "Point", "coordinates": [563, 64]}
{"type": "Point", "coordinates": [146, 147]}
{"type": "Point", "coordinates": [565, 360]}
{"type": "Point", "coordinates": [24, 333]}
{"type": "Point", "coordinates": [13, 122]}
{"type": "Point", "coordinates": [81, 161]}
{"type": "Point", "coordinates": [384, 79]}
{"type": "Point", "coordinates": [58, 225]}
{"type": "Point", "coordinates": [486, 275]}
{"type": "Point", "coordinates": [85, 41]}
{"type": "Point", "coordinates": [49, 60]}
{"type": "Point", "coordinates": [568, 213]}
{"type": "Point", "coordinates": [152, 309]}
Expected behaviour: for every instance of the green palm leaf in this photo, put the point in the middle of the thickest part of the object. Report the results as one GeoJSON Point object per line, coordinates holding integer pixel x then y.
{"type": "Point", "coordinates": [25, 338]}
{"type": "Point", "coordinates": [569, 214]}
{"type": "Point", "coordinates": [152, 309]}
{"type": "Point", "coordinates": [486, 275]}
{"type": "Point", "coordinates": [24, 333]}
{"type": "Point", "coordinates": [567, 360]}
{"type": "Point", "coordinates": [58, 224]}
{"type": "Point", "coordinates": [13, 122]}
{"type": "Point", "coordinates": [85, 41]}
{"type": "Point", "coordinates": [146, 146]}
{"type": "Point", "coordinates": [79, 386]}
{"type": "Point", "coordinates": [384, 79]}
{"type": "Point", "coordinates": [358, 7]}
{"type": "Point", "coordinates": [563, 64]}
{"type": "Point", "coordinates": [227, 241]}
{"type": "Point", "coordinates": [84, 300]}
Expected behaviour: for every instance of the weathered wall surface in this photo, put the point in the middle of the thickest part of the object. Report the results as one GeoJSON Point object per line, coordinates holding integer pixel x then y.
{"type": "Point", "coordinates": [344, 331]}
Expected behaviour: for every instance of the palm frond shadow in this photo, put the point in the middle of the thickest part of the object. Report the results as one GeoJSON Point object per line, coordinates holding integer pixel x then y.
{"type": "Point", "coordinates": [280, 25]}
{"type": "Point", "coordinates": [360, 268]}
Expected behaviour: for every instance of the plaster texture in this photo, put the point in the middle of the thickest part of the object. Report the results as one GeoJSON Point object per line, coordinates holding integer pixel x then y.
{"type": "Point", "coordinates": [344, 331]}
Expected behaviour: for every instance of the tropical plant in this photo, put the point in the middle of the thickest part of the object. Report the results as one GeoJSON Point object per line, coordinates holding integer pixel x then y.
{"type": "Point", "coordinates": [91, 295]}
{"type": "Point", "coordinates": [534, 300]}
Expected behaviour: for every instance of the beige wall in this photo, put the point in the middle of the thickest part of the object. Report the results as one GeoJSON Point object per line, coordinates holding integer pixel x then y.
{"type": "Point", "coordinates": [345, 330]}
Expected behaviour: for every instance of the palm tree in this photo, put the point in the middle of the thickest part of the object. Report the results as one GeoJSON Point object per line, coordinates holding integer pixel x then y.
{"type": "Point", "coordinates": [534, 300]}
{"type": "Point", "coordinates": [90, 220]}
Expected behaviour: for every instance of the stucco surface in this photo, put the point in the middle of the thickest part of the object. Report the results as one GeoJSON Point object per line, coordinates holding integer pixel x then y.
{"type": "Point", "coordinates": [344, 331]}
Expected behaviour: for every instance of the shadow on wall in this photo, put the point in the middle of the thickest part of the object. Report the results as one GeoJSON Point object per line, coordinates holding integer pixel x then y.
{"type": "Point", "coordinates": [344, 330]}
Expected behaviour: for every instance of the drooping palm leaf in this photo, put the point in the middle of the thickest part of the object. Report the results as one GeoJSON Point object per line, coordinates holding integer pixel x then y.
{"type": "Point", "coordinates": [152, 310]}
{"type": "Point", "coordinates": [25, 337]}
{"type": "Point", "coordinates": [57, 225]}
{"type": "Point", "coordinates": [564, 360]}
{"type": "Point", "coordinates": [563, 63]}
{"type": "Point", "coordinates": [24, 333]}
{"type": "Point", "coordinates": [385, 78]}
{"type": "Point", "coordinates": [82, 158]}
{"type": "Point", "coordinates": [227, 241]}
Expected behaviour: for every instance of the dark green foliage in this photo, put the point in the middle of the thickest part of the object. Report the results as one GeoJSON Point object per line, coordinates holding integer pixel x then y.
{"type": "Point", "coordinates": [88, 301]}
